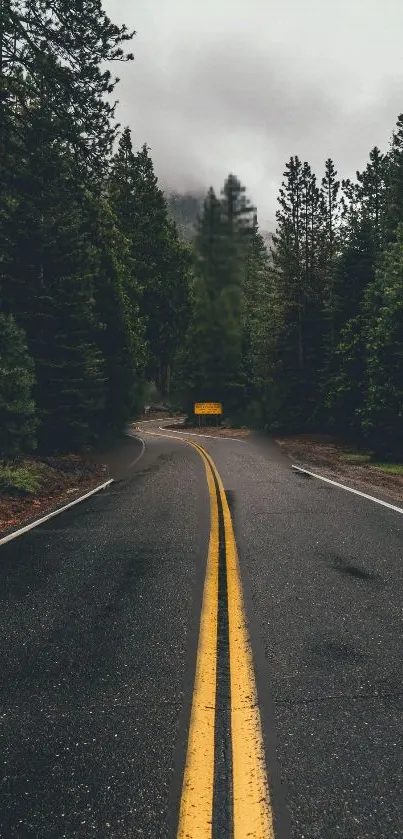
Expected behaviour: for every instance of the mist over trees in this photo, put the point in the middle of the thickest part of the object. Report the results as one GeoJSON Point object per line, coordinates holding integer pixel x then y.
{"type": "Point", "coordinates": [107, 285]}
{"type": "Point", "coordinates": [184, 209]}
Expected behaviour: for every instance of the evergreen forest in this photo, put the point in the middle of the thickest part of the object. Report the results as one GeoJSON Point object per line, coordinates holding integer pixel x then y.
{"type": "Point", "coordinates": [101, 295]}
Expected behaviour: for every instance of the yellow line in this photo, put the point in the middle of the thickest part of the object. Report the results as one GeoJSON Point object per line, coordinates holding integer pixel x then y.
{"type": "Point", "coordinates": [196, 811]}
{"type": "Point", "coordinates": [252, 814]}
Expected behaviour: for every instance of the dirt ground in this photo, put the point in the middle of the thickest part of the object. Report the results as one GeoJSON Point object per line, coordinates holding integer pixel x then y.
{"type": "Point", "coordinates": [67, 478]}
{"type": "Point", "coordinates": [327, 455]}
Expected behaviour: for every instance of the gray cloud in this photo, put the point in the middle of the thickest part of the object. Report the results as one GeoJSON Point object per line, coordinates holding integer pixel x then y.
{"type": "Point", "coordinates": [227, 91]}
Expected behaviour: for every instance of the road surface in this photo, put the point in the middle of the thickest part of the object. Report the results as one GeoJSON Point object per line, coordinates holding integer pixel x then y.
{"type": "Point", "coordinates": [211, 647]}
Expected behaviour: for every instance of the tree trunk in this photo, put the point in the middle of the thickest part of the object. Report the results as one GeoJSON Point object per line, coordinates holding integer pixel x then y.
{"type": "Point", "coordinates": [300, 339]}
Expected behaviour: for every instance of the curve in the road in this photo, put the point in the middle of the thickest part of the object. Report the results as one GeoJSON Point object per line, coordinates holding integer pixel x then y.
{"type": "Point", "coordinates": [212, 436]}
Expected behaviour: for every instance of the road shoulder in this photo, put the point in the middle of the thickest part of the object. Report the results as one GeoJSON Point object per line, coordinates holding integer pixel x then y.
{"type": "Point", "coordinates": [333, 459]}
{"type": "Point", "coordinates": [51, 484]}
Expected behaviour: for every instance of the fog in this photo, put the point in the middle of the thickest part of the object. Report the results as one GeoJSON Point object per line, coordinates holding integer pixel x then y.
{"type": "Point", "coordinates": [221, 85]}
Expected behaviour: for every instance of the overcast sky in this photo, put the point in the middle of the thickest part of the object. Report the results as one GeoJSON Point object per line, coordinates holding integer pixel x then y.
{"type": "Point", "coordinates": [240, 85]}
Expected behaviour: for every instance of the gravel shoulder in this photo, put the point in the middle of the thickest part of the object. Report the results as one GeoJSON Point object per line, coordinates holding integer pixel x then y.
{"type": "Point", "coordinates": [335, 459]}
{"type": "Point", "coordinates": [45, 485]}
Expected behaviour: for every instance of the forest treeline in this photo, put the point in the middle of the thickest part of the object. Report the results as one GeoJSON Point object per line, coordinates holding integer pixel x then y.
{"type": "Point", "coordinates": [100, 296]}
{"type": "Point", "coordinates": [308, 337]}
{"type": "Point", "coordinates": [94, 284]}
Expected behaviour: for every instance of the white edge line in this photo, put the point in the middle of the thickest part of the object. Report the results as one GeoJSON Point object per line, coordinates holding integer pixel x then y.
{"type": "Point", "coordinates": [54, 513]}
{"type": "Point", "coordinates": [51, 515]}
{"type": "Point", "coordinates": [156, 420]}
{"type": "Point", "coordinates": [189, 434]}
{"type": "Point", "coordinates": [136, 437]}
{"type": "Point", "coordinates": [349, 489]}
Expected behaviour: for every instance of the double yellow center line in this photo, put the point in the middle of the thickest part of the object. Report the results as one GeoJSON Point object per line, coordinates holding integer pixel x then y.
{"type": "Point", "coordinates": [251, 808]}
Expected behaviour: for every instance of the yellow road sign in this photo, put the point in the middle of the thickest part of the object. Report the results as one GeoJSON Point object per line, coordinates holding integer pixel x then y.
{"type": "Point", "coordinates": [209, 408]}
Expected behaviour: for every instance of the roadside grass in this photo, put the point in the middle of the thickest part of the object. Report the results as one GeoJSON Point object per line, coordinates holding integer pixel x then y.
{"type": "Point", "coordinates": [335, 449]}
{"type": "Point", "coordinates": [24, 478]}
{"type": "Point", "coordinates": [367, 459]}
{"type": "Point", "coordinates": [391, 468]}
{"type": "Point", "coordinates": [353, 457]}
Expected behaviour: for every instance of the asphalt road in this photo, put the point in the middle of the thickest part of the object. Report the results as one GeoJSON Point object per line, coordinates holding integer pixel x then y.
{"type": "Point", "coordinates": [99, 621]}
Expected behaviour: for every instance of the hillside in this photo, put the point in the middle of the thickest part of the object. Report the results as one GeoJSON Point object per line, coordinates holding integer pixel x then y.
{"type": "Point", "coordinates": [184, 208]}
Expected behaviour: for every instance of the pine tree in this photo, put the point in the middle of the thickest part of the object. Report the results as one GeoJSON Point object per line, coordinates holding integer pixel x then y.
{"type": "Point", "coordinates": [214, 344]}
{"type": "Point", "coordinates": [56, 131]}
{"type": "Point", "coordinates": [286, 254]}
{"type": "Point", "coordinates": [120, 330]}
{"type": "Point", "coordinates": [69, 365]}
{"type": "Point", "coordinates": [362, 233]}
{"type": "Point", "coordinates": [259, 332]}
{"type": "Point", "coordinates": [17, 408]}
{"type": "Point", "coordinates": [372, 195]}
{"type": "Point", "coordinates": [331, 210]}
{"type": "Point", "coordinates": [330, 193]}
{"type": "Point", "coordinates": [394, 183]}
{"type": "Point", "coordinates": [382, 314]}
{"type": "Point", "coordinates": [51, 293]}
{"type": "Point", "coordinates": [122, 185]}
{"type": "Point", "coordinates": [60, 50]}
{"type": "Point", "coordinates": [161, 262]}
{"type": "Point", "coordinates": [298, 271]}
{"type": "Point", "coordinates": [237, 215]}
{"type": "Point", "coordinates": [195, 361]}
{"type": "Point", "coordinates": [208, 244]}
{"type": "Point", "coordinates": [346, 386]}
{"type": "Point", "coordinates": [172, 305]}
